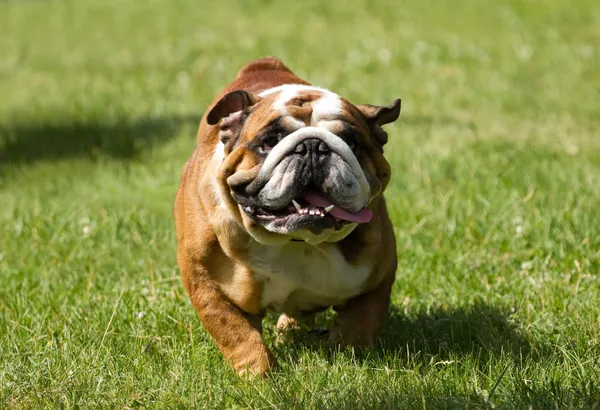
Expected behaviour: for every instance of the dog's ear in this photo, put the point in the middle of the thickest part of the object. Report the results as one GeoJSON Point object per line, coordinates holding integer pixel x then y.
{"type": "Point", "coordinates": [230, 112]}
{"type": "Point", "coordinates": [380, 115]}
{"type": "Point", "coordinates": [231, 103]}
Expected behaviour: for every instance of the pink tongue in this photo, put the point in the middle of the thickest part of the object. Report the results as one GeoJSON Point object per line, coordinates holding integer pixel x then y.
{"type": "Point", "coordinates": [320, 200]}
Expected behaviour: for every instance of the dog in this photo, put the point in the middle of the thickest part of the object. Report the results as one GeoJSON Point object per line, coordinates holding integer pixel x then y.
{"type": "Point", "coordinates": [281, 208]}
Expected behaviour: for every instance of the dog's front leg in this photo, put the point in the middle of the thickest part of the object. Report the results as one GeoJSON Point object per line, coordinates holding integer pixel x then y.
{"type": "Point", "coordinates": [359, 320]}
{"type": "Point", "coordinates": [237, 334]}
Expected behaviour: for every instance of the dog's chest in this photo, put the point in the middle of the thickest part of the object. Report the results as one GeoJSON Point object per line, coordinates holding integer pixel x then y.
{"type": "Point", "coordinates": [301, 277]}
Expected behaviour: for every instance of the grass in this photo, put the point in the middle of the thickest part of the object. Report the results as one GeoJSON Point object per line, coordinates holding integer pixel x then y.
{"type": "Point", "coordinates": [494, 198]}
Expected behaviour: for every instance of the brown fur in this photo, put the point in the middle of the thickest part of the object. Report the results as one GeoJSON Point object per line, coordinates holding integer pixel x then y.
{"type": "Point", "coordinates": [213, 244]}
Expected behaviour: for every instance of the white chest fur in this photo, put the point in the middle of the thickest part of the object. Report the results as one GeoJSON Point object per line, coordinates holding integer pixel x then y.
{"type": "Point", "coordinates": [299, 276]}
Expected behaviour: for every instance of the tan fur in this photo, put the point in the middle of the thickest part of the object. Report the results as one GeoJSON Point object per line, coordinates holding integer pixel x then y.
{"type": "Point", "coordinates": [214, 246]}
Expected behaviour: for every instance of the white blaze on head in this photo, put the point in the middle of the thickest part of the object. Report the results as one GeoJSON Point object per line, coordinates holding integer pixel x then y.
{"type": "Point", "coordinates": [329, 106]}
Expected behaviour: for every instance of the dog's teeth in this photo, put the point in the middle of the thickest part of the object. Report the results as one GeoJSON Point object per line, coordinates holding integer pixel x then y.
{"type": "Point", "coordinates": [296, 205]}
{"type": "Point", "coordinates": [311, 212]}
{"type": "Point", "coordinates": [329, 208]}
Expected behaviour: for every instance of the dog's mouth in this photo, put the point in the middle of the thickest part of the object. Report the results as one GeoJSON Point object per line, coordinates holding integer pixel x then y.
{"type": "Point", "coordinates": [310, 208]}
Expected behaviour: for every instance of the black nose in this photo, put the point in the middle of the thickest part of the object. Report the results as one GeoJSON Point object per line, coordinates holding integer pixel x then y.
{"type": "Point", "coordinates": [312, 146]}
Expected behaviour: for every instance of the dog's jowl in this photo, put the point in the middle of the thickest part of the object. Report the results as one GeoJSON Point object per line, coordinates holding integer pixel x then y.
{"type": "Point", "coordinates": [281, 208]}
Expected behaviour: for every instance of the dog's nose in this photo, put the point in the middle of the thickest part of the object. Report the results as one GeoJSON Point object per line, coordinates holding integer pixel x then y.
{"type": "Point", "coordinates": [312, 146]}
{"type": "Point", "coordinates": [300, 148]}
{"type": "Point", "coordinates": [323, 148]}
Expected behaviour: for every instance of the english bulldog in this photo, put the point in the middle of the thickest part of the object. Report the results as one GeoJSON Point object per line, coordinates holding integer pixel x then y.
{"type": "Point", "coordinates": [281, 208]}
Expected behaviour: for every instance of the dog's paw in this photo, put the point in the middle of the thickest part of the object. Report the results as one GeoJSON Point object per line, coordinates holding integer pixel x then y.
{"type": "Point", "coordinates": [256, 364]}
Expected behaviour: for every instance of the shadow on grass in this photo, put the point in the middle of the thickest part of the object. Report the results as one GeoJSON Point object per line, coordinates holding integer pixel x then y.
{"type": "Point", "coordinates": [480, 334]}
{"type": "Point", "coordinates": [481, 330]}
{"type": "Point", "coordinates": [23, 143]}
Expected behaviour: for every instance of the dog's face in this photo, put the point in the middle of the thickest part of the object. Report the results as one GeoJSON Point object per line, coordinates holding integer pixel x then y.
{"type": "Point", "coordinates": [300, 162]}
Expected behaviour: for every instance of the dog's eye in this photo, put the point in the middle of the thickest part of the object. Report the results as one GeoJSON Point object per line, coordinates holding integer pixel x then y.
{"type": "Point", "coordinates": [352, 137]}
{"type": "Point", "coordinates": [353, 144]}
{"type": "Point", "coordinates": [270, 142]}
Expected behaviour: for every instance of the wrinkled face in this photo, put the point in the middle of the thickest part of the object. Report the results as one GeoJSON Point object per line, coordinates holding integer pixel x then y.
{"type": "Point", "coordinates": [300, 162]}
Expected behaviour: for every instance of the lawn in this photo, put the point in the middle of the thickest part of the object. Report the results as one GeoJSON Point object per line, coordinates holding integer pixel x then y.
{"type": "Point", "coordinates": [495, 200]}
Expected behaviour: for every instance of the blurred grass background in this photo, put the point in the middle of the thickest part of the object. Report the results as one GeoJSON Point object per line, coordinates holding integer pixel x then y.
{"type": "Point", "coordinates": [494, 197]}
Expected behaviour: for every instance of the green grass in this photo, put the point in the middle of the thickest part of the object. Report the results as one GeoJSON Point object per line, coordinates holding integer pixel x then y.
{"type": "Point", "coordinates": [495, 199]}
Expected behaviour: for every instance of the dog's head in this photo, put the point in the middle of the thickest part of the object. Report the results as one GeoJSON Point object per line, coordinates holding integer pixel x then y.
{"type": "Point", "coordinates": [300, 162]}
